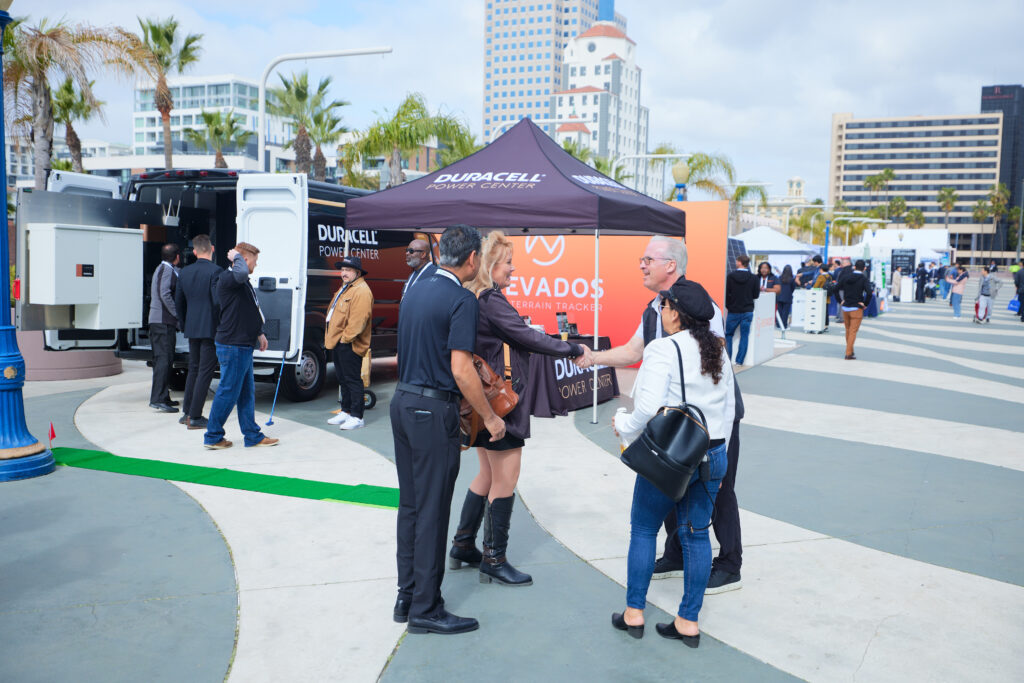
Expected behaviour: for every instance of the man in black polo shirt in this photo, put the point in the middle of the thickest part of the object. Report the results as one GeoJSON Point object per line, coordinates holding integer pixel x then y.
{"type": "Point", "coordinates": [436, 338]}
{"type": "Point", "coordinates": [740, 291]}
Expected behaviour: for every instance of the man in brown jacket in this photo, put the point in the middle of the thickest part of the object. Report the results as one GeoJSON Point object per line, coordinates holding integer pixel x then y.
{"type": "Point", "coordinates": [348, 339]}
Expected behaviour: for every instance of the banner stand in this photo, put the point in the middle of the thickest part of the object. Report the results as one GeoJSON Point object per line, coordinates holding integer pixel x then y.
{"type": "Point", "coordinates": [597, 302]}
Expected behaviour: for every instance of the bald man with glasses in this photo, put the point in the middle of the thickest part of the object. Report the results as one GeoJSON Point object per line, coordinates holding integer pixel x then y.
{"type": "Point", "coordinates": [417, 257]}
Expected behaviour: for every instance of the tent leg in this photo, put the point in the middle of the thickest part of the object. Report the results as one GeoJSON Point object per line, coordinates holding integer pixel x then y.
{"type": "Point", "coordinates": [597, 302]}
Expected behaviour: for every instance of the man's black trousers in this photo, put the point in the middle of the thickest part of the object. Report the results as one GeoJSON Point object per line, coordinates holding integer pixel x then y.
{"type": "Point", "coordinates": [426, 434]}
{"type": "Point", "coordinates": [348, 366]}
{"type": "Point", "coordinates": [161, 339]}
{"type": "Point", "coordinates": [725, 521]}
{"type": "Point", "coordinates": [202, 362]}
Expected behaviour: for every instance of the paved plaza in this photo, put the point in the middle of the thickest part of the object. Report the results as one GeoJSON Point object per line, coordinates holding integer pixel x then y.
{"type": "Point", "coordinates": [883, 529]}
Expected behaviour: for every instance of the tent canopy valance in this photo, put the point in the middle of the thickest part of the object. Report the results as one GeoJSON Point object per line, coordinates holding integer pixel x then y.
{"type": "Point", "coordinates": [523, 182]}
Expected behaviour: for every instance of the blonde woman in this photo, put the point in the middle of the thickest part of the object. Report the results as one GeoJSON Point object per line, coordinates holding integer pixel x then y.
{"type": "Point", "coordinates": [492, 492]}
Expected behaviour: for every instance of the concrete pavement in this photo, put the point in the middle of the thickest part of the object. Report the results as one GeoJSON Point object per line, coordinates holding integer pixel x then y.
{"type": "Point", "coordinates": [883, 533]}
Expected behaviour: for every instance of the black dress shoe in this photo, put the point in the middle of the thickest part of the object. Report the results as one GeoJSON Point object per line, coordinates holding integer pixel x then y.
{"type": "Point", "coordinates": [445, 624]}
{"type": "Point", "coordinates": [669, 631]}
{"type": "Point", "coordinates": [197, 422]}
{"type": "Point", "coordinates": [619, 622]}
{"type": "Point", "coordinates": [401, 613]}
{"type": "Point", "coordinates": [163, 407]}
{"type": "Point", "coordinates": [172, 402]}
{"type": "Point", "coordinates": [183, 420]}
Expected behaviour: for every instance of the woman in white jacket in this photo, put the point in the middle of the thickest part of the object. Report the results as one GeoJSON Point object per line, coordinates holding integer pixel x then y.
{"type": "Point", "coordinates": [686, 310]}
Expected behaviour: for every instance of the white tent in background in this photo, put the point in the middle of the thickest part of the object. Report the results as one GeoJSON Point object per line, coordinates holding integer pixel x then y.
{"type": "Point", "coordinates": [764, 243]}
{"type": "Point", "coordinates": [930, 244]}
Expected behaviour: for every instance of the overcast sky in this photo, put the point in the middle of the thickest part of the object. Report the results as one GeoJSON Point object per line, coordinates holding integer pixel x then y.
{"type": "Point", "coordinates": [755, 80]}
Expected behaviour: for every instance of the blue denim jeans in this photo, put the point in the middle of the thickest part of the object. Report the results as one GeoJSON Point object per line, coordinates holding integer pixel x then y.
{"type": "Point", "coordinates": [732, 321]}
{"type": "Point", "coordinates": [944, 288]}
{"type": "Point", "coordinates": [955, 300]}
{"type": "Point", "coordinates": [236, 388]}
{"type": "Point", "coordinates": [650, 506]}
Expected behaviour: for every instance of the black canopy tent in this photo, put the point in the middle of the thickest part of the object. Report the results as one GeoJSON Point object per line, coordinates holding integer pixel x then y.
{"type": "Point", "coordinates": [522, 183]}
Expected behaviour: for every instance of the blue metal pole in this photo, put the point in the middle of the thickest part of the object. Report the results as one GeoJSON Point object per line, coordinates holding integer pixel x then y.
{"type": "Point", "coordinates": [21, 454]}
{"type": "Point", "coordinates": [828, 231]}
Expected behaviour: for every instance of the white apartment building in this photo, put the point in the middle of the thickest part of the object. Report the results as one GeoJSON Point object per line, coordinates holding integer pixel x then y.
{"type": "Point", "coordinates": [926, 153]}
{"type": "Point", "coordinates": [524, 41]}
{"type": "Point", "coordinates": [601, 103]}
{"type": "Point", "coordinates": [777, 207]}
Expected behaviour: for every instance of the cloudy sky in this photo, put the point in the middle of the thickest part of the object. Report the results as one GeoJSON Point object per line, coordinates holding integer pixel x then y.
{"type": "Point", "coordinates": [755, 80]}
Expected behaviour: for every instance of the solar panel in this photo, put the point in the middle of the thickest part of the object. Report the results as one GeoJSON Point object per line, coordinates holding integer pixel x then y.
{"type": "Point", "coordinates": [734, 249]}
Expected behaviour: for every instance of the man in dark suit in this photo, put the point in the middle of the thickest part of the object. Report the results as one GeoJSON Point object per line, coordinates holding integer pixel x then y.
{"type": "Point", "coordinates": [741, 289]}
{"type": "Point", "coordinates": [197, 306]}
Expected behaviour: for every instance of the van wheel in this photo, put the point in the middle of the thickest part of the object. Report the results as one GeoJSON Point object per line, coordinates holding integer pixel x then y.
{"type": "Point", "coordinates": [369, 399]}
{"type": "Point", "coordinates": [303, 381]}
{"type": "Point", "coordinates": [178, 378]}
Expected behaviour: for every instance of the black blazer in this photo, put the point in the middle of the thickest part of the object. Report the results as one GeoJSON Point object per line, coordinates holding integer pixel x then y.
{"type": "Point", "coordinates": [241, 323]}
{"type": "Point", "coordinates": [741, 288]}
{"type": "Point", "coordinates": [196, 299]}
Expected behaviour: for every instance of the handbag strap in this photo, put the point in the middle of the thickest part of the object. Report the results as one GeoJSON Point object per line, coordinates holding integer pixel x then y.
{"type": "Point", "coordinates": [682, 378]}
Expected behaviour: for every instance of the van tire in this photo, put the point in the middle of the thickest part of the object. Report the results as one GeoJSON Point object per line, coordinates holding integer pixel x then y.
{"type": "Point", "coordinates": [305, 380]}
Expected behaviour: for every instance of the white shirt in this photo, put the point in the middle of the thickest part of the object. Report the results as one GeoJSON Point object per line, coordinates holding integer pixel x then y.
{"type": "Point", "coordinates": [717, 322]}
{"type": "Point", "coordinates": [657, 385]}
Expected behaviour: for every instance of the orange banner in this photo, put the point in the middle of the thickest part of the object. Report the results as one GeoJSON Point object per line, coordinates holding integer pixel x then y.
{"type": "Point", "coordinates": [556, 273]}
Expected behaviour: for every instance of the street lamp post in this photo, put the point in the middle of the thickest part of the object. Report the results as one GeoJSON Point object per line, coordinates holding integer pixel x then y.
{"type": "Point", "coordinates": [665, 157]}
{"type": "Point", "coordinates": [21, 454]}
{"type": "Point", "coordinates": [261, 144]}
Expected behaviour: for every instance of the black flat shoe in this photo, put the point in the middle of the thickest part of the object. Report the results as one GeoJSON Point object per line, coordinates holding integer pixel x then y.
{"type": "Point", "coordinates": [669, 631]}
{"type": "Point", "coordinates": [445, 624]}
{"type": "Point", "coordinates": [619, 622]}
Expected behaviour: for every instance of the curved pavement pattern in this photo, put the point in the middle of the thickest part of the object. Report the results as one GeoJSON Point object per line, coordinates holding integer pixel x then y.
{"type": "Point", "coordinates": [883, 528]}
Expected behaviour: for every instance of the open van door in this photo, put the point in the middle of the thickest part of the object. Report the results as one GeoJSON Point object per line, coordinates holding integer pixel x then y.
{"type": "Point", "coordinates": [272, 217]}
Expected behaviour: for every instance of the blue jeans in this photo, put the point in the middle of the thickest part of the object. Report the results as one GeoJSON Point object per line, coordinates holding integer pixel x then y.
{"type": "Point", "coordinates": [955, 300]}
{"type": "Point", "coordinates": [236, 388]}
{"type": "Point", "coordinates": [944, 288]}
{"type": "Point", "coordinates": [650, 506]}
{"type": "Point", "coordinates": [732, 321]}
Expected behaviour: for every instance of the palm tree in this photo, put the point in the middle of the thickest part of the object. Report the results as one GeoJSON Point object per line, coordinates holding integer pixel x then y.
{"type": "Point", "coordinates": [221, 131]}
{"type": "Point", "coordinates": [325, 129]}
{"type": "Point", "coordinates": [352, 176]}
{"type": "Point", "coordinates": [1012, 227]}
{"type": "Point", "coordinates": [611, 169]}
{"type": "Point", "coordinates": [885, 177]}
{"type": "Point", "coordinates": [294, 100]}
{"type": "Point", "coordinates": [460, 145]}
{"type": "Point", "coordinates": [740, 194]}
{"type": "Point", "coordinates": [580, 152]}
{"type": "Point", "coordinates": [69, 106]}
{"type": "Point", "coordinates": [947, 199]}
{"type": "Point", "coordinates": [35, 54]}
{"type": "Point", "coordinates": [915, 218]}
{"type": "Point", "coordinates": [712, 174]}
{"type": "Point", "coordinates": [895, 208]}
{"type": "Point", "coordinates": [404, 132]}
{"type": "Point", "coordinates": [998, 198]}
{"type": "Point", "coordinates": [167, 55]}
{"type": "Point", "coordinates": [872, 184]}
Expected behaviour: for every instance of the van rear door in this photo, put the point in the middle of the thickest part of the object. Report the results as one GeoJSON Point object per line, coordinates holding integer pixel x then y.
{"type": "Point", "coordinates": [272, 217]}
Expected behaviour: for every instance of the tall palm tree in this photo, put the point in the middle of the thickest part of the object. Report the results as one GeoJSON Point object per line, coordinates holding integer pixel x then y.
{"type": "Point", "coordinates": [895, 208]}
{"type": "Point", "coordinates": [458, 146]}
{"type": "Point", "coordinates": [740, 194]}
{"type": "Point", "coordinates": [325, 129]}
{"type": "Point", "coordinates": [611, 169]}
{"type": "Point", "coordinates": [712, 174]}
{"type": "Point", "coordinates": [886, 176]}
{"type": "Point", "coordinates": [35, 54]}
{"type": "Point", "coordinates": [221, 131]}
{"type": "Point", "coordinates": [998, 199]}
{"type": "Point", "coordinates": [168, 55]}
{"type": "Point", "coordinates": [915, 218]}
{"type": "Point", "coordinates": [70, 105]}
{"type": "Point", "coordinates": [580, 152]}
{"type": "Point", "coordinates": [947, 199]}
{"type": "Point", "coordinates": [352, 176]}
{"type": "Point", "coordinates": [295, 100]}
{"type": "Point", "coordinates": [872, 184]}
{"type": "Point", "coordinates": [1013, 227]}
{"type": "Point", "coordinates": [411, 126]}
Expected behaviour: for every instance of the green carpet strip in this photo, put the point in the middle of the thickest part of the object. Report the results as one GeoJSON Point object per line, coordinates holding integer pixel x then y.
{"type": "Point", "coordinates": [360, 494]}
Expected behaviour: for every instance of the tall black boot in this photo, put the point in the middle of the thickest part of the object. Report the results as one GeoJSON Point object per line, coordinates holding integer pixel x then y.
{"type": "Point", "coordinates": [494, 566]}
{"type": "Point", "coordinates": [464, 544]}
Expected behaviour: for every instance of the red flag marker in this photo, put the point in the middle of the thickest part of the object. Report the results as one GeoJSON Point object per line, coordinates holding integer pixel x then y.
{"type": "Point", "coordinates": [53, 435]}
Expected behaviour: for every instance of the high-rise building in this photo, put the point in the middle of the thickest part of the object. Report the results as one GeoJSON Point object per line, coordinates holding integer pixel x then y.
{"type": "Point", "coordinates": [524, 41]}
{"type": "Point", "coordinates": [926, 153]}
{"type": "Point", "coordinates": [601, 105]}
{"type": "Point", "coordinates": [1009, 99]}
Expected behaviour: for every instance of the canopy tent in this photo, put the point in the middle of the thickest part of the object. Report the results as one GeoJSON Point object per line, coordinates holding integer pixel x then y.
{"type": "Point", "coordinates": [523, 183]}
{"type": "Point", "coordinates": [783, 250]}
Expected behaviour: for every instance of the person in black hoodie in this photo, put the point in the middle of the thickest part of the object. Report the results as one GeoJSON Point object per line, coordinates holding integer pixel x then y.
{"type": "Point", "coordinates": [741, 288]}
{"type": "Point", "coordinates": [240, 331]}
{"type": "Point", "coordinates": [855, 290]}
{"type": "Point", "coordinates": [920, 280]}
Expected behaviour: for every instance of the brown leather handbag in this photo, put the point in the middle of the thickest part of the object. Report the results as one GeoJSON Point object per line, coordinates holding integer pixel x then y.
{"type": "Point", "coordinates": [499, 393]}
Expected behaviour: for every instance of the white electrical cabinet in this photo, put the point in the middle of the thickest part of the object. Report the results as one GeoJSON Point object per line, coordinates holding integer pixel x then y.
{"type": "Point", "coordinates": [97, 270]}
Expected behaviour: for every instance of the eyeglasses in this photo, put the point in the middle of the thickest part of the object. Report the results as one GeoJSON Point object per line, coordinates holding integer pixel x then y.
{"type": "Point", "coordinates": [415, 251]}
{"type": "Point", "coordinates": [646, 260]}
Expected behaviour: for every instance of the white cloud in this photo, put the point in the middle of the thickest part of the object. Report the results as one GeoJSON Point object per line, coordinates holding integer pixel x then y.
{"type": "Point", "coordinates": [755, 80]}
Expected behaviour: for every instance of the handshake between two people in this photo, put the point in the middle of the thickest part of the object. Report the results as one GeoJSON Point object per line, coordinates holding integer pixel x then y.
{"type": "Point", "coordinates": [587, 359]}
